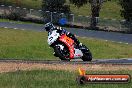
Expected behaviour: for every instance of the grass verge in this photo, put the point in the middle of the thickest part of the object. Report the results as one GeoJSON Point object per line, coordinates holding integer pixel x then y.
{"type": "Point", "coordinates": [18, 22]}
{"type": "Point", "coordinates": [32, 45]}
{"type": "Point", "coordinates": [53, 79]}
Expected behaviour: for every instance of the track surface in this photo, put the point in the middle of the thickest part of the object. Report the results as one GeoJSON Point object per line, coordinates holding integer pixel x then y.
{"type": "Point", "coordinates": [115, 37]}
{"type": "Point", "coordinates": [120, 61]}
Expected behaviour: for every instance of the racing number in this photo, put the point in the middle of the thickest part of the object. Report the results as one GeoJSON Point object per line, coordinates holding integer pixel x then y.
{"type": "Point", "coordinates": [50, 38]}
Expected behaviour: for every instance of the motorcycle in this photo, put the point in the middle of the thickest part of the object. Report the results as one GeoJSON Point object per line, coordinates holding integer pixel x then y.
{"type": "Point", "coordinates": [66, 49]}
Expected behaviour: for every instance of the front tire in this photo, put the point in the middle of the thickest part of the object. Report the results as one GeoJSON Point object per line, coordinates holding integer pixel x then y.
{"type": "Point", "coordinates": [87, 55]}
{"type": "Point", "coordinates": [60, 54]}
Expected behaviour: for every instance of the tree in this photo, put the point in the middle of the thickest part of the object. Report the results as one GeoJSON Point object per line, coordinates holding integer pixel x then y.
{"type": "Point", "coordinates": [79, 3]}
{"type": "Point", "coordinates": [57, 6]}
{"type": "Point", "coordinates": [17, 2]}
{"type": "Point", "coordinates": [126, 11]}
{"type": "Point", "coordinates": [15, 14]}
{"type": "Point", "coordinates": [95, 9]}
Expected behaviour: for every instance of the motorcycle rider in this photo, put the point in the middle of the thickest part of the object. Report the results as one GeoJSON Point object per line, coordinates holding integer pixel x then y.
{"type": "Point", "coordinates": [50, 27]}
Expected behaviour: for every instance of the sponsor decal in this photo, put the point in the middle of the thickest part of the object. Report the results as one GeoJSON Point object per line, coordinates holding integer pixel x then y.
{"type": "Point", "coordinates": [102, 78]}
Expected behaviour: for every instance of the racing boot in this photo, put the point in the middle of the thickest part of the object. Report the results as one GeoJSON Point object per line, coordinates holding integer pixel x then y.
{"type": "Point", "coordinates": [78, 43]}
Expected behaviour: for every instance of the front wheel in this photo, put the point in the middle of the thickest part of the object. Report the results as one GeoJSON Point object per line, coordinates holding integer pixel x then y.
{"type": "Point", "coordinates": [87, 55]}
{"type": "Point", "coordinates": [63, 54]}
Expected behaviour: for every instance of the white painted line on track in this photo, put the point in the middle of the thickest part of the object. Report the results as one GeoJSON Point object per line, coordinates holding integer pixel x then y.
{"type": "Point", "coordinates": [120, 42]}
{"type": "Point", "coordinates": [117, 42]}
{"type": "Point", "coordinates": [110, 41]}
{"type": "Point", "coordinates": [83, 37]}
{"type": "Point", "coordinates": [11, 22]}
{"type": "Point", "coordinates": [5, 27]}
{"type": "Point", "coordinates": [127, 43]}
{"type": "Point", "coordinates": [15, 28]}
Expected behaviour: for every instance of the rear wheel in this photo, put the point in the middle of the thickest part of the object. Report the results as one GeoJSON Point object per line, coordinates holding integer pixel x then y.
{"type": "Point", "coordinates": [63, 54]}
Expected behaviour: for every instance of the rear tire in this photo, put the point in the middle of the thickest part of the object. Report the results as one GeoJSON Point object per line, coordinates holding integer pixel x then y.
{"type": "Point", "coordinates": [59, 54]}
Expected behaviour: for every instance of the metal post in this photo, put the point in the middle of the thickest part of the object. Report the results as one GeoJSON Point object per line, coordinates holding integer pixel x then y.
{"type": "Point", "coordinates": [17, 8]}
{"type": "Point", "coordinates": [62, 15]}
{"type": "Point", "coordinates": [51, 16]}
{"type": "Point", "coordinates": [87, 19]}
{"type": "Point", "coordinates": [10, 11]}
{"type": "Point", "coordinates": [48, 16]}
{"type": "Point", "coordinates": [10, 8]}
{"type": "Point", "coordinates": [31, 11]}
{"type": "Point", "coordinates": [54, 12]}
{"type": "Point", "coordinates": [73, 19]}
{"type": "Point", "coordinates": [24, 8]}
{"type": "Point", "coordinates": [55, 18]}
{"type": "Point", "coordinates": [40, 14]}
{"type": "Point", "coordinates": [40, 11]}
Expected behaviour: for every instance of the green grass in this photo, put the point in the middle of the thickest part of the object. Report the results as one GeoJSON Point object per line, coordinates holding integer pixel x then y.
{"type": "Point", "coordinates": [23, 44]}
{"type": "Point", "coordinates": [32, 45]}
{"type": "Point", "coordinates": [3, 20]}
{"type": "Point", "coordinates": [18, 22]}
{"type": "Point", "coordinates": [110, 9]}
{"type": "Point", "coordinates": [53, 79]}
{"type": "Point", "coordinates": [35, 4]}
{"type": "Point", "coordinates": [102, 49]}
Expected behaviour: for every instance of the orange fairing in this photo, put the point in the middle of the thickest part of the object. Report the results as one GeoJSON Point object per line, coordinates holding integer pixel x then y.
{"type": "Point", "coordinates": [69, 42]}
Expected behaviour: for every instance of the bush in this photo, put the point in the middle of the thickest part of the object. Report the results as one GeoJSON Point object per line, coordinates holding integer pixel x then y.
{"type": "Point", "coordinates": [16, 14]}
{"type": "Point", "coordinates": [126, 11]}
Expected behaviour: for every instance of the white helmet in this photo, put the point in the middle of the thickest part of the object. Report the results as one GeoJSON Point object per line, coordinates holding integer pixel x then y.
{"type": "Point", "coordinates": [49, 26]}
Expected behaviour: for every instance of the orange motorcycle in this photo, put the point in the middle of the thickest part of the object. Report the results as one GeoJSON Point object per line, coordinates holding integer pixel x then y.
{"type": "Point", "coordinates": [66, 49]}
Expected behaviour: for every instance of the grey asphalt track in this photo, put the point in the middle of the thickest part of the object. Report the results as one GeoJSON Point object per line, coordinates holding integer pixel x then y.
{"type": "Point", "coordinates": [111, 61]}
{"type": "Point", "coordinates": [107, 36]}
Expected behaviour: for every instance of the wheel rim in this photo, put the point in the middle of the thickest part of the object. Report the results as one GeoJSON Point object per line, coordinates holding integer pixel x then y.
{"type": "Point", "coordinates": [64, 52]}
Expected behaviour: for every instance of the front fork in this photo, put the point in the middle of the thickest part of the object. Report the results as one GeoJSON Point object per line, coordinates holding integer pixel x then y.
{"type": "Point", "coordinates": [55, 54]}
